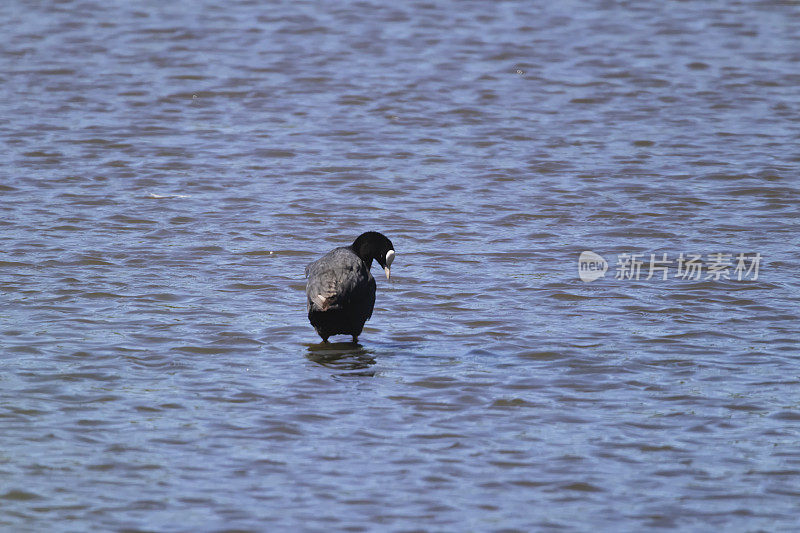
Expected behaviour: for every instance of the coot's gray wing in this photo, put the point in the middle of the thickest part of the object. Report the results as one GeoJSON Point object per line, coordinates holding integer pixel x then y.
{"type": "Point", "coordinates": [338, 279]}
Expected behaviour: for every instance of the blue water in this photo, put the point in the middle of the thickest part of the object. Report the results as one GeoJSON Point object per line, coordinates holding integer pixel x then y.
{"type": "Point", "coordinates": [170, 168]}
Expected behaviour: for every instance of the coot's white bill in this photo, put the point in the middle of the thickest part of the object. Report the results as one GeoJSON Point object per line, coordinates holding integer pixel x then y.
{"type": "Point", "coordinates": [389, 259]}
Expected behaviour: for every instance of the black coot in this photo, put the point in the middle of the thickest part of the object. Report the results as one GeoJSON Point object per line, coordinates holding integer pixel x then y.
{"type": "Point", "coordinates": [340, 288]}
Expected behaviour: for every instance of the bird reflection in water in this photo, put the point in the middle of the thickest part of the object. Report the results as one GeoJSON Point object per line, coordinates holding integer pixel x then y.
{"type": "Point", "coordinates": [345, 356]}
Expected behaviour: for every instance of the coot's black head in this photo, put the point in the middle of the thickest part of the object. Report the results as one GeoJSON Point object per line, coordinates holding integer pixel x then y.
{"type": "Point", "coordinates": [373, 245]}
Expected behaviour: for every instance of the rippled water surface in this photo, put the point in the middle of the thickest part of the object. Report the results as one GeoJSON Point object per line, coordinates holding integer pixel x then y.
{"type": "Point", "coordinates": [169, 168]}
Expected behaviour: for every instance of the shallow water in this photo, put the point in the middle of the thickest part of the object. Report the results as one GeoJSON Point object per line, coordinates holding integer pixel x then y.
{"type": "Point", "coordinates": [171, 167]}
